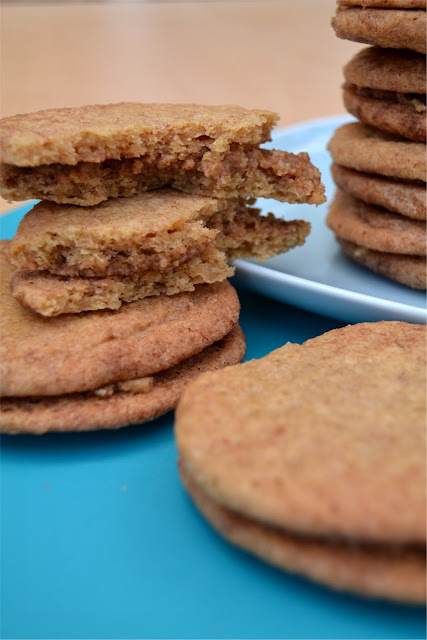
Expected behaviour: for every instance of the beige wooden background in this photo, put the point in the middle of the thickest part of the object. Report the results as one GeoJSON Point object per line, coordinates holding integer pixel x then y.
{"type": "Point", "coordinates": [279, 55]}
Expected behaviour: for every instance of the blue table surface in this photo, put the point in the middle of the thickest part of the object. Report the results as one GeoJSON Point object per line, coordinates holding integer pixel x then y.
{"type": "Point", "coordinates": [99, 539]}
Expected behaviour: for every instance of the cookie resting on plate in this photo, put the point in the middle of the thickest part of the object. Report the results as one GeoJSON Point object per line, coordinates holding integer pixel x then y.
{"type": "Point", "coordinates": [319, 448]}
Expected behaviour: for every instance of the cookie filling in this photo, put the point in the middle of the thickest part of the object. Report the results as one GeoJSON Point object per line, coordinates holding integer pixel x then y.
{"type": "Point", "coordinates": [131, 387]}
{"type": "Point", "coordinates": [416, 101]}
{"type": "Point", "coordinates": [239, 172]}
{"type": "Point", "coordinates": [138, 385]}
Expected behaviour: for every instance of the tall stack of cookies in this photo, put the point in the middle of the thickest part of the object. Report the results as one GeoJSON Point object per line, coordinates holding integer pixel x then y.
{"type": "Point", "coordinates": [379, 211]}
{"type": "Point", "coordinates": [119, 275]}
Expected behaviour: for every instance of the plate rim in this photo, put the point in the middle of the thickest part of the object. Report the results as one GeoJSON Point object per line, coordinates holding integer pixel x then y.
{"type": "Point", "coordinates": [313, 285]}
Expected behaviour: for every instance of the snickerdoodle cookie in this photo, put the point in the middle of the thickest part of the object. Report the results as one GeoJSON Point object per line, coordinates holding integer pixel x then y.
{"type": "Point", "coordinates": [386, 88]}
{"type": "Point", "coordinates": [85, 155]}
{"type": "Point", "coordinates": [402, 196]}
{"type": "Point", "coordinates": [407, 270]}
{"type": "Point", "coordinates": [319, 448]}
{"type": "Point", "coordinates": [384, 571]}
{"type": "Point", "coordinates": [121, 403]}
{"type": "Point", "coordinates": [375, 227]}
{"type": "Point", "coordinates": [364, 148]}
{"type": "Point", "coordinates": [393, 28]}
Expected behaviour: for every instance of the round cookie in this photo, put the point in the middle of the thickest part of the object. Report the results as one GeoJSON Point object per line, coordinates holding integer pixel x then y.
{"type": "Point", "coordinates": [380, 571]}
{"type": "Point", "coordinates": [51, 356]}
{"type": "Point", "coordinates": [321, 439]}
{"type": "Point", "coordinates": [406, 198]}
{"type": "Point", "coordinates": [385, 88]}
{"type": "Point", "coordinates": [407, 270]}
{"type": "Point", "coordinates": [87, 412]}
{"type": "Point", "coordinates": [374, 227]}
{"type": "Point", "coordinates": [388, 28]}
{"type": "Point", "coordinates": [400, 119]}
{"type": "Point", "coordinates": [358, 146]}
{"type": "Point", "coordinates": [387, 70]}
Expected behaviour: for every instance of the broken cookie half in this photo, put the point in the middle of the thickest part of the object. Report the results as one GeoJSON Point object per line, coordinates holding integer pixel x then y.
{"type": "Point", "coordinates": [88, 154]}
{"type": "Point", "coordinates": [71, 259]}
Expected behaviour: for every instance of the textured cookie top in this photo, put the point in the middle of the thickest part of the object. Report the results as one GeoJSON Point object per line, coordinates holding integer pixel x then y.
{"type": "Point", "coordinates": [406, 198]}
{"type": "Point", "coordinates": [387, 70]}
{"type": "Point", "coordinates": [153, 230]}
{"type": "Point", "coordinates": [396, 113]}
{"type": "Point", "coordinates": [71, 353]}
{"type": "Point", "coordinates": [389, 28]}
{"type": "Point", "coordinates": [407, 270]}
{"type": "Point", "coordinates": [364, 148]}
{"type": "Point", "coordinates": [125, 130]}
{"type": "Point", "coordinates": [375, 227]}
{"type": "Point", "coordinates": [130, 402]}
{"type": "Point", "coordinates": [149, 212]}
{"type": "Point", "coordinates": [325, 438]}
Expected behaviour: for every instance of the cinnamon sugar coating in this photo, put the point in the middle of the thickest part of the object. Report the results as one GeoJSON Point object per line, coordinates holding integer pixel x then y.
{"type": "Point", "coordinates": [397, 113]}
{"type": "Point", "coordinates": [91, 411]}
{"type": "Point", "coordinates": [407, 270]}
{"type": "Point", "coordinates": [95, 133]}
{"type": "Point", "coordinates": [397, 70]}
{"type": "Point", "coordinates": [309, 438]}
{"type": "Point", "coordinates": [375, 227]}
{"type": "Point", "coordinates": [384, 27]}
{"type": "Point", "coordinates": [397, 573]}
{"type": "Point", "coordinates": [358, 146]}
{"type": "Point", "coordinates": [404, 197]}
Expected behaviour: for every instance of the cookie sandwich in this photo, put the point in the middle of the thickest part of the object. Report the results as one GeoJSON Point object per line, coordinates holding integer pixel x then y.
{"type": "Point", "coordinates": [326, 480]}
{"type": "Point", "coordinates": [85, 155]}
{"type": "Point", "coordinates": [142, 200]}
{"type": "Point", "coordinates": [386, 88]}
{"type": "Point", "coordinates": [109, 369]}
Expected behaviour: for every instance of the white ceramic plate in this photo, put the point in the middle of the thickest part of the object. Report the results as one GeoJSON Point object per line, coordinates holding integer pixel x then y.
{"type": "Point", "coordinates": [318, 277]}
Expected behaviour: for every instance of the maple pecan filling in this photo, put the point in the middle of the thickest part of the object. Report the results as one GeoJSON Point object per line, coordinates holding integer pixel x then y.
{"type": "Point", "coordinates": [416, 101]}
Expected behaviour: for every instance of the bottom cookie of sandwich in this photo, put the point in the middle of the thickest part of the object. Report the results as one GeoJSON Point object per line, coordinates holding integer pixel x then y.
{"type": "Point", "coordinates": [119, 404]}
{"type": "Point", "coordinates": [407, 270]}
{"type": "Point", "coordinates": [393, 572]}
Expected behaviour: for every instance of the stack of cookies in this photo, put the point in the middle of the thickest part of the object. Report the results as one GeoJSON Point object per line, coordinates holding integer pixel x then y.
{"type": "Point", "coordinates": [313, 457]}
{"type": "Point", "coordinates": [379, 212]}
{"type": "Point", "coordinates": [119, 275]}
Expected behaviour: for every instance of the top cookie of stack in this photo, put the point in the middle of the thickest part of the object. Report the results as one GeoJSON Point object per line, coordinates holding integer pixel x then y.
{"type": "Point", "coordinates": [88, 154]}
{"type": "Point", "coordinates": [379, 212]}
{"type": "Point", "coordinates": [117, 243]}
